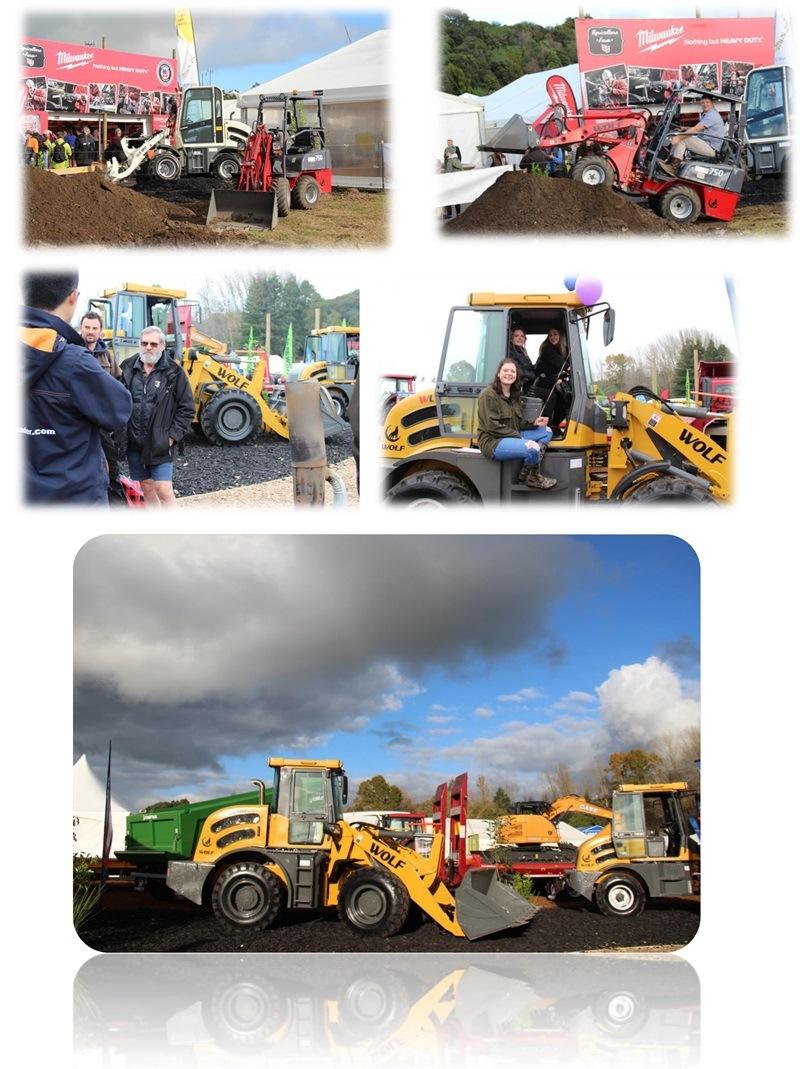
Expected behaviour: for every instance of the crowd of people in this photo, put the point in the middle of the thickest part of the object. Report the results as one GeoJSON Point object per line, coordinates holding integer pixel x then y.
{"type": "Point", "coordinates": [80, 147]}
{"type": "Point", "coordinates": [84, 414]}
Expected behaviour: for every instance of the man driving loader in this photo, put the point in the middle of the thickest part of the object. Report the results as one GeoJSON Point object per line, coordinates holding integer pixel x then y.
{"type": "Point", "coordinates": [704, 139]}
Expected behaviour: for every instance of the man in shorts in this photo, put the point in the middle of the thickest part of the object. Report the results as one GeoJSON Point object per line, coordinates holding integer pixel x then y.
{"type": "Point", "coordinates": [163, 410]}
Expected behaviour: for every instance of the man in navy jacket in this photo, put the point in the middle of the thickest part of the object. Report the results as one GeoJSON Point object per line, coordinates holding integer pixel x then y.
{"type": "Point", "coordinates": [69, 398]}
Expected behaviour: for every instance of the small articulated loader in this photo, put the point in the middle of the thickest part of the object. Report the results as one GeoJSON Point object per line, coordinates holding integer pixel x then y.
{"type": "Point", "coordinates": [651, 850]}
{"type": "Point", "coordinates": [251, 862]}
{"type": "Point", "coordinates": [644, 450]}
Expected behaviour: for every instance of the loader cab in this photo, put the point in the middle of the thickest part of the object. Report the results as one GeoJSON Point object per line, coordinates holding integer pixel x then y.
{"type": "Point", "coordinates": [769, 101]}
{"type": "Point", "coordinates": [309, 796]}
{"type": "Point", "coordinates": [338, 347]}
{"type": "Point", "coordinates": [128, 311]}
{"type": "Point", "coordinates": [650, 823]}
{"type": "Point", "coordinates": [202, 121]}
{"type": "Point", "coordinates": [479, 338]}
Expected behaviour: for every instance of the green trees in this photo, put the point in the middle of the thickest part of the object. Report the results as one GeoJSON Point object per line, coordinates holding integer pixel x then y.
{"type": "Point", "coordinates": [377, 793]}
{"type": "Point", "coordinates": [480, 57]}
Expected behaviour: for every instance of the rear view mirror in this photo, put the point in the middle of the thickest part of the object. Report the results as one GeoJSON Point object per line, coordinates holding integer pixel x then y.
{"type": "Point", "coordinates": [608, 326]}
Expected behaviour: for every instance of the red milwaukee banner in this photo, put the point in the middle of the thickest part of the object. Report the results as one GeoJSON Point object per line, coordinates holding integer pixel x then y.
{"type": "Point", "coordinates": [69, 78]}
{"type": "Point", "coordinates": [635, 62]}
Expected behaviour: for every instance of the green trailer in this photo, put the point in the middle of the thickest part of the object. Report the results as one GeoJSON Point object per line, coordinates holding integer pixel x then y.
{"type": "Point", "coordinates": [154, 838]}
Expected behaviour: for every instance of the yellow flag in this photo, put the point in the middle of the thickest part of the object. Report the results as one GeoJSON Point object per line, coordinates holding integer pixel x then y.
{"type": "Point", "coordinates": [187, 53]}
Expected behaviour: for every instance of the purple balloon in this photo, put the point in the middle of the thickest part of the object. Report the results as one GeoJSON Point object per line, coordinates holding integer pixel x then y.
{"type": "Point", "coordinates": [569, 282]}
{"type": "Point", "coordinates": [588, 289]}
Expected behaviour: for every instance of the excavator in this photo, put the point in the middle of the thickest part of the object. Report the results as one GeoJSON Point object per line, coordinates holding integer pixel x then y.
{"type": "Point", "coordinates": [650, 850]}
{"type": "Point", "coordinates": [252, 862]}
{"type": "Point", "coordinates": [230, 408]}
{"type": "Point", "coordinates": [642, 450]}
{"type": "Point", "coordinates": [532, 827]}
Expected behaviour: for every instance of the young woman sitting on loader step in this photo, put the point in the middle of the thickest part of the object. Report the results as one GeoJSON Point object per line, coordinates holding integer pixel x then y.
{"type": "Point", "coordinates": [503, 432]}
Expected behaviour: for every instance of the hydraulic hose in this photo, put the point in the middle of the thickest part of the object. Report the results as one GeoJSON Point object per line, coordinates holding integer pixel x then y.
{"type": "Point", "coordinates": [338, 487]}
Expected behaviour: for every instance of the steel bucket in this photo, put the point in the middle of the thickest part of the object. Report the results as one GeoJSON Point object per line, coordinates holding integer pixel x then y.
{"type": "Point", "coordinates": [237, 206]}
{"type": "Point", "coordinates": [484, 905]}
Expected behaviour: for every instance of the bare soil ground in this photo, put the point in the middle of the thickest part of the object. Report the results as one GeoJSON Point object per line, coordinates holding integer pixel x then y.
{"type": "Point", "coordinates": [89, 209]}
{"type": "Point", "coordinates": [521, 203]}
{"type": "Point", "coordinates": [130, 921]}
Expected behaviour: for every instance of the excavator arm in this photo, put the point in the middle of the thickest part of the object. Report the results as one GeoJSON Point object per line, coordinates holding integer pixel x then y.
{"type": "Point", "coordinates": [574, 803]}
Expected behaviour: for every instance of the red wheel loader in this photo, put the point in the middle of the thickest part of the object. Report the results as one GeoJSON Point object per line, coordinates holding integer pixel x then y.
{"type": "Point", "coordinates": [285, 165]}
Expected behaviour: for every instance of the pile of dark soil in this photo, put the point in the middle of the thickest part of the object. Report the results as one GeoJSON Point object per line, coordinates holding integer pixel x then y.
{"type": "Point", "coordinates": [204, 467]}
{"type": "Point", "coordinates": [179, 925]}
{"type": "Point", "coordinates": [89, 209]}
{"type": "Point", "coordinates": [519, 202]}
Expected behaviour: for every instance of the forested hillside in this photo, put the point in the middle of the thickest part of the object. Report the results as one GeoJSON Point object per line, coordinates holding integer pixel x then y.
{"type": "Point", "coordinates": [479, 57]}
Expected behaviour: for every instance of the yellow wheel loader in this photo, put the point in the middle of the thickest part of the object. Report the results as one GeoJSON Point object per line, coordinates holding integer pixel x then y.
{"type": "Point", "coordinates": [331, 358]}
{"type": "Point", "coordinates": [651, 850]}
{"type": "Point", "coordinates": [252, 862]}
{"type": "Point", "coordinates": [644, 450]}
{"type": "Point", "coordinates": [230, 408]}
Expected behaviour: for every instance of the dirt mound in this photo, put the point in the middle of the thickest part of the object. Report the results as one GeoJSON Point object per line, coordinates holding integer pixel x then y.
{"type": "Point", "coordinates": [89, 209]}
{"type": "Point", "coordinates": [520, 202]}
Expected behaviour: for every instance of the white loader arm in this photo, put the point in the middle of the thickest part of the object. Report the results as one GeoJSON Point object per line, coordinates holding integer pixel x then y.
{"type": "Point", "coordinates": [135, 159]}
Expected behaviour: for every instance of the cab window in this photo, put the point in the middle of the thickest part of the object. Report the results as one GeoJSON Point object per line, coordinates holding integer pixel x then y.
{"type": "Point", "coordinates": [475, 346]}
{"type": "Point", "coordinates": [197, 125]}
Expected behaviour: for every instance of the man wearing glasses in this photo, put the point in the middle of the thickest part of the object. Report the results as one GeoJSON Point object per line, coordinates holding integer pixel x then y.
{"type": "Point", "coordinates": [163, 410]}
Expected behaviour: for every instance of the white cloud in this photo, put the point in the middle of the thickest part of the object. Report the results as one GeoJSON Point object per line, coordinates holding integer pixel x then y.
{"type": "Point", "coordinates": [483, 711]}
{"type": "Point", "coordinates": [576, 700]}
{"type": "Point", "coordinates": [527, 694]}
{"type": "Point", "coordinates": [639, 702]}
{"type": "Point", "coordinates": [440, 719]}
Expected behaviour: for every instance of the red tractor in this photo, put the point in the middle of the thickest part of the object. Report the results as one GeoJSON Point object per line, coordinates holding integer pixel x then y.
{"type": "Point", "coordinates": [285, 165]}
{"type": "Point", "coordinates": [625, 147]}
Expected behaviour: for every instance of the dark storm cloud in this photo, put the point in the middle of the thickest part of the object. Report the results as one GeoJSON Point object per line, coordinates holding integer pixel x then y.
{"type": "Point", "coordinates": [223, 39]}
{"type": "Point", "coordinates": [191, 649]}
{"type": "Point", "coordinates": [683, 653]}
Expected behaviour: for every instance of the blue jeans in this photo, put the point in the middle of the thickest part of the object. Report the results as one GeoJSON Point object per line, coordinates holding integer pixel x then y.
{"type": "Point", "coordinates": [515, 448]}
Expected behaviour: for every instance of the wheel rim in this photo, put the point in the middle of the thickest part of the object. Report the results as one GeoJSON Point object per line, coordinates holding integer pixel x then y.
{"type": "Point", "coordinates": [166, 169]}
{"type": "Point", "coordinates": [245, 1009]}
{"type": "Point", "coordinates": [338, 405]}
{"type": "Point", "coordinates": [680, 208]}
{"type": "Point", "coordinates": [234, 421]}
{"type": "Point", "coordinates": [621, 1008]}
{"type": "Point", "coordinates": [368, 906]}
{"type": "Point", "coordinates": [245, 899]}
{"type": "Point", "coordinates": [621, 898]}
{"type": "Point", "coordinates": [312, 195]}
{"type": "Point", "coordinates": [228, 169]}
{"type": "Point", "coordinates": [593, 176]}
{"type": "Point", "coordinates": [368, 1001]}
{"type": "Point", "coordinates": [426, 503]}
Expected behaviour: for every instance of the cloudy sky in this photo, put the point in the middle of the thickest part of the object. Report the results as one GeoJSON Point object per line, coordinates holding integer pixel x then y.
{"type": "Point", "coordinates": [415, 657]}
{"type": "Point", "coordinates": [234, 50]}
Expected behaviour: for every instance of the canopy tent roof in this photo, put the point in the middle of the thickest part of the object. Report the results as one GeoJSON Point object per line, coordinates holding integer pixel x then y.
{"type": "Point", "coordinates": [447, 104]}
{"type": "Point", "coordinates": [526, 96]}
{"type": "Point", "coordinates": [88, 812]}
{"type": "Point", "coordinates": [359, 71]}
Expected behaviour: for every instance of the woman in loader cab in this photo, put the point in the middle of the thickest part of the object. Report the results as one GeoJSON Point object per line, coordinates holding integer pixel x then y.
{"type": "Point", "coordinates": [503, 432]}
{"type": "Point", "coordinates": [550, 368]}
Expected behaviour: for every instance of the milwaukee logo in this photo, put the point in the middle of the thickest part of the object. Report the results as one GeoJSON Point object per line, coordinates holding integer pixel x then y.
{"type": "Point", "coordinates": [68, 57]}
{"type": "Point", "coordinates": [650, 40]}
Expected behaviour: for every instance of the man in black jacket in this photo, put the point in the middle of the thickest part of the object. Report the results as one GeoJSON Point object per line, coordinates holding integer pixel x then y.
{"type": "Point", "coordinates": [69, 399]}
{"type": "Point", "coordinates": [163, 410]}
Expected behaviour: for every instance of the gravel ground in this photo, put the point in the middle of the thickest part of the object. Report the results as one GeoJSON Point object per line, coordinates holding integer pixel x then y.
{"type": "Point", "coordinates": [205, 468]}
{"type": "Point", "coordinates": [181, 926]}
{"type": "Point", "coordinates": [277, 493]}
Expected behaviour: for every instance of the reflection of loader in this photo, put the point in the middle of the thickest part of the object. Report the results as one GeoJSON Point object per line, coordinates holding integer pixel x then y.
{"type": "Point", "coordinates": [645, 450]}
{"type": "Point", "coordinates": [253, 862]}
{"type": "Point", "coordinates": [230, 408]}
{"type": "Point", "coordinates": [651, 850]}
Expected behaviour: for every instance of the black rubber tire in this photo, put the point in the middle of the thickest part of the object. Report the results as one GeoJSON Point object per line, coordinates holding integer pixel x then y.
{"type": "Point", "coordinates": [374, 902]}
{"type": "Point", "coordinates": [669, 489]}
{"type": "Point", "coordinates": [165, 167]}
{"type": "Point", "coordinates": [226, 168]}
{"type": "Point", "coordinates": [431, 488]}
{"type": "Point", "coordinates": [339, 402]}
{"type": "Point", "coordinates": [283, 197]}
{"type": "Point", "coordinates": [246, 896]}
{"type": "Point", "coordinates": [306, 193]}
{"type": "Point", "coordinates": [231, 417]}
{"type": "Point", "coordinates": [593, 167]}
{"type": "Point", "coordinates": [620, 895]}
{"type": "Point", "coordinates": [679, 204]}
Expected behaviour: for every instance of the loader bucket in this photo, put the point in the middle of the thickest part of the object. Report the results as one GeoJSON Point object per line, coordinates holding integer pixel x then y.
{"type": "Point", "coordinates": [238, 206]}
{"type": "Point", "coordinates": [484, 905]}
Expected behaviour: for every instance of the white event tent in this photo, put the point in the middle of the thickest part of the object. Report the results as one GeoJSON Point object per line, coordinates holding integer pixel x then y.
{"type": "Point", "coordinates": [355, 95]}
{"type": "Point", "coordinates": [88, 812]}
{"type": "Point", "coordinates": [461, 120]}
{"type": "Point", "coordinates": [526, 96]}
